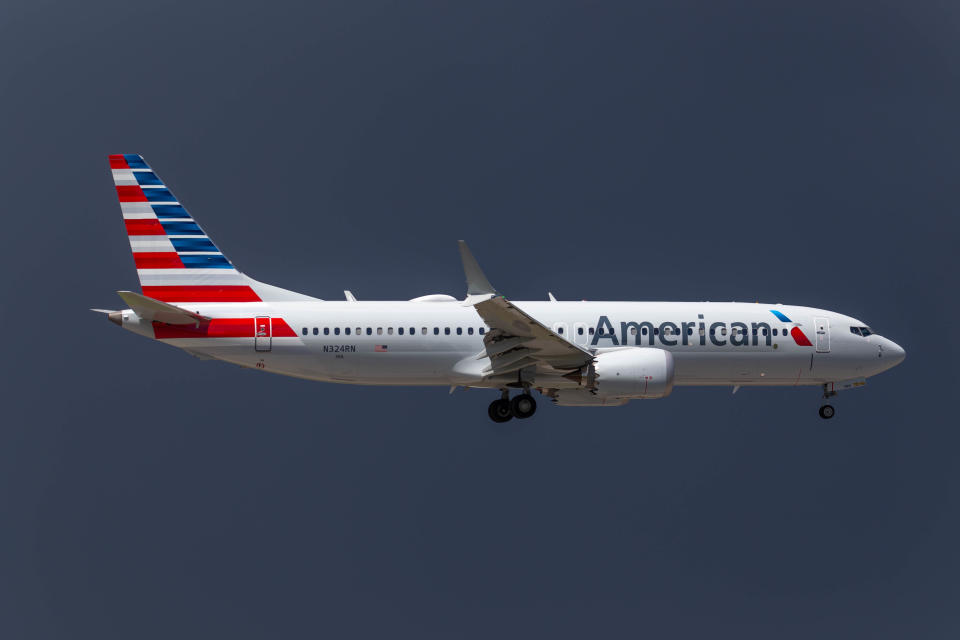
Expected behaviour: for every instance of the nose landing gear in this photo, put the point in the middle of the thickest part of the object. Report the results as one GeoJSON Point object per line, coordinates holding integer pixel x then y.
{"type": "Point", "coordinates": [827, 410]}
{"type": "Point", "coordinates": [503, 409]}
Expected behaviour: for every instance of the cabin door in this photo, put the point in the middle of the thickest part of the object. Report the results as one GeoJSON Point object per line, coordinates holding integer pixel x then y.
{"type": "Point", "coordinates": [823, 334]}
{"type": "Point", "coordinates": [262, 335]}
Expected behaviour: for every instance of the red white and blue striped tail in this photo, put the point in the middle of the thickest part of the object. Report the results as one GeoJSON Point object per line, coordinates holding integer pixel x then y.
{"type": "Point", "coordinates": [176, 261]}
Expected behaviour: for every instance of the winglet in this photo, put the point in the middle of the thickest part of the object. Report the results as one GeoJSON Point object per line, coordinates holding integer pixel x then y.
{"type": "Point", "coordinates": [477, 283]}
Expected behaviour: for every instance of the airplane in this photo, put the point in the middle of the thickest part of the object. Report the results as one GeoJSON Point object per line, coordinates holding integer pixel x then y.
{"type": "Point", "coordinates": [576, 353]}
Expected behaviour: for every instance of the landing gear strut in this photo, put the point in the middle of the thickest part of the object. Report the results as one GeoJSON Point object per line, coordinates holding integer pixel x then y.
{"type": "Point", "coordinates": [827, 410]}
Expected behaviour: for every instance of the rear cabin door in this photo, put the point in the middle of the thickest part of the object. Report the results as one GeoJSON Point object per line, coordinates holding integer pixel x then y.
{"type": "Point", "coordinates": [823, 334]}
{"type": "Point", "coordinates": [262, 335]}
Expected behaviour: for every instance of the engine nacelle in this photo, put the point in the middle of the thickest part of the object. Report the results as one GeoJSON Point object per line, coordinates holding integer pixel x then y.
{"type": "Point", "coordinates": [635, 372]}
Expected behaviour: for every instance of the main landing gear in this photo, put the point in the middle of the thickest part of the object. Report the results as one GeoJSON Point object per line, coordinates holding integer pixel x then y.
{"type": "Point", "coordinates": [827, 410]}
{"type": "Point", "coordinates": [503, 409]}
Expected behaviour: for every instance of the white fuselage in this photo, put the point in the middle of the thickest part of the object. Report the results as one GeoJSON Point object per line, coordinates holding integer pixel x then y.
{"type": "Point", "coordinates": [440, 342]}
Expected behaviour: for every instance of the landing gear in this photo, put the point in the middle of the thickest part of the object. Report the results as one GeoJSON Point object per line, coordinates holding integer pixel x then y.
{"type": "Point", "coordinates": [500, 410]}
{"type": "Point", "coordinates": [827, 410]}
{"type": "Point", "coordinates": [523, 406]}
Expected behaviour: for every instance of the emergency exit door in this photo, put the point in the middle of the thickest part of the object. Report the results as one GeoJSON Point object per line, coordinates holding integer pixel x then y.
{"type": "Point", "coordinates": [823, 334]}
{"type": "Point", "coordinates": [262, 334]}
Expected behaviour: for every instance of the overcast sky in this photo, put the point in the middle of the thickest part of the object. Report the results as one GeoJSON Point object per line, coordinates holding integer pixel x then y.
{"type": "Point", "coordinates": [643, 150]}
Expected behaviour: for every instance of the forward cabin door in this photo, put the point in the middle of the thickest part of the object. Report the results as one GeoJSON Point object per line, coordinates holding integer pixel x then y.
{"type": "Point", "coordinates": [262, 335]}
{"type": "Point", "coordinates": [823, 334]}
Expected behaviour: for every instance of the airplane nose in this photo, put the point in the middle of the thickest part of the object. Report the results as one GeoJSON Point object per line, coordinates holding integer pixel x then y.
{"type": "Point", "coordinates": [894, 352]}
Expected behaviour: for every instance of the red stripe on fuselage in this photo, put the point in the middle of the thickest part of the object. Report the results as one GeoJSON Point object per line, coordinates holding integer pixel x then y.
{"type": "Point", "coordinates": [158, 260]}
{"type": "Point", "coordinates": [203, 293]}
{"type": "Point", "coordinates": [282, 330]}
{"type": "Point", "coordinates": [145, 227]}
{"type": "Point", "coordinates": [800, 337]}
{"type": "Point", "coordinates": [118, 162]}
{"type": "Point", "coordinates": [130, 193]}
{"type": "Point", "coordinates": [219, 328]}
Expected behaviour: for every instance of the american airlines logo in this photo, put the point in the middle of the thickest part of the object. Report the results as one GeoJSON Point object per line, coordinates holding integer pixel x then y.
{"type": "Point", "coordinates": [670, 334]}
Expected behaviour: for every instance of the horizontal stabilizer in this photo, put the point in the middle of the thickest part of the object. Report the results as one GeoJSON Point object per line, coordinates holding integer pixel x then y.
{"type": "Point", "coordinates": [156, 311]}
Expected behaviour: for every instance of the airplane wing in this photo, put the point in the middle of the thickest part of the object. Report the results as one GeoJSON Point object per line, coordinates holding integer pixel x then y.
{"type": "Point", "coordinates": [516, 339]}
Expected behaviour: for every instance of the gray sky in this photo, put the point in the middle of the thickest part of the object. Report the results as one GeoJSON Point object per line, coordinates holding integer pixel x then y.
{"type": "Point", "coordinates": [674, 150]}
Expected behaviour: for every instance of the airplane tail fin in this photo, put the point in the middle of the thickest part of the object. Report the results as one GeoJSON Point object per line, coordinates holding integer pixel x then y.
{"type": "Point", "coordinates": [176, 260]}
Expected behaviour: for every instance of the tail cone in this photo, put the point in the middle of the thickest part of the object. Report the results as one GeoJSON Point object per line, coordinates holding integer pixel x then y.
{"type": "Point", "coordinates": [116, 318]}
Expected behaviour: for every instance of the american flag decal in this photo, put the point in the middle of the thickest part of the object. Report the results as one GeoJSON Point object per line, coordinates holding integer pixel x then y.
{"type": "Point", "coordinates": [380, 348]}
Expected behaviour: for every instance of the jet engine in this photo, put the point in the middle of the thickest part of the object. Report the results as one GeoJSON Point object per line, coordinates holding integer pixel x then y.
{"type": "Point", "coordinates": [633, 373]}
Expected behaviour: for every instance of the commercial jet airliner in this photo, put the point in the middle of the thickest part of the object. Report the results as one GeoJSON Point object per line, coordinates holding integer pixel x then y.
{"type": "Point", "coordinates": [585, 354]}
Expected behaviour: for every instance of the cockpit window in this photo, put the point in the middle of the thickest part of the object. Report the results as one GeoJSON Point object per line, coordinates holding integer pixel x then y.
{"type": "Point", "coordinates": [855, 330]}
{"type": "Point", "coordinates": [861, 331]}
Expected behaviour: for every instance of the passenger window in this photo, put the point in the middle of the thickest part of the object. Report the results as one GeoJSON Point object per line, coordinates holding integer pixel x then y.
{"type": "Point", "coordinates": [316, 331]}
{"type": "Point", "coordinates": [336, 331]}
{"type": "Point", "coordinates": [347, 331]}
{"type": "Point", "coordinates": [326, 331]}
{"type": "Point", "coordinates": [446, 331]}
{"type": "Point", "coordinates": [389, 331]}
{"type": "Point", "coordinates": [470, 331]}
{"type": "Point", "coordinates": [644, 331]}
{"type": "Point", "coordinates": [579, 331]}
{"type": "Point", "coordinates": [412, 330]}
{"type": "Point", "coordinates": [591, 331]}
{"type": "Point", "coordinates": [358, 330]}
{"type": "Point", "coordinates": [400, 331]}
{"type": "Point", "coordinates": [482, 330]}
{"type": "Point", "coordinates": [633, 331]}
{"type": "Point", "coordinates": [379, 331]}
{"type": "Point", "coordinates": [369, 331]}
{"type": "Point", "coordinates": [459, 331]}
{"type": "Point", "coordinates": [304, 331]}
{"type": "Point", "coordinates": [423, 331]}
{"type": "Point", "coordinates": [436, 331]}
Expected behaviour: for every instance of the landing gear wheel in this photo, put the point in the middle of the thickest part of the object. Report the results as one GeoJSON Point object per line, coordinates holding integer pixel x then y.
{"type": "Point", "coordinates": [499, 410]}
{"type": "Point", "coordinates": [523, 406]}
{"type": "Point", "coordinates": [826, 411]}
